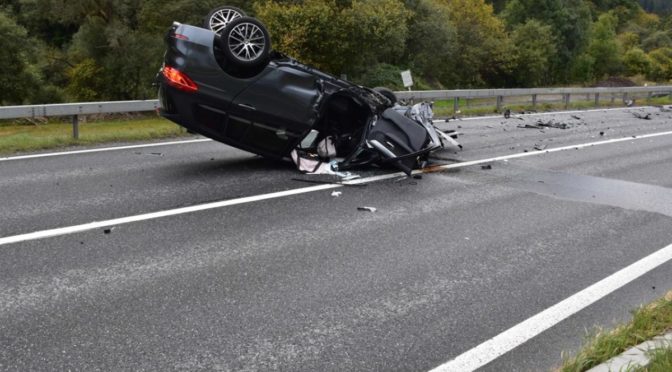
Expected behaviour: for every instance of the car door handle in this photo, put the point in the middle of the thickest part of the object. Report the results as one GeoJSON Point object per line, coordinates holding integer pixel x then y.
{"type": "Point", "coordinates": [248, 107]}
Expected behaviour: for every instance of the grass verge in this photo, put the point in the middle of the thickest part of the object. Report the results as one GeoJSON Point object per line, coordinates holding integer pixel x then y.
{"type": "Point", "coordinates": [647, 322]}
{"type": "Point", "coordinates": [15, 137]}
{"type": "Point", "coordinates": [661, 361]}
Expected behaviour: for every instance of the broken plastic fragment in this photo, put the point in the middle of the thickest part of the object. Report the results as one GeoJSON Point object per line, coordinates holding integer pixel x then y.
{"type": "Point", "coordinates": [366, 209]}
{"type": "Point", "coordinates": [336, 194]}
{"type": "Point", "coordinates": [642, 116]}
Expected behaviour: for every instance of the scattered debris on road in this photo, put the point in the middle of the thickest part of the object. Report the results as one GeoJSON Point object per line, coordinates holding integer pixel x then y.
{"type": "Point", "coordinates": [367, 209]}
{"type": "Point", "coordinates": [108, 230]}
{"type": "Point", "coordinates": [336, 194]}
{"type": "Point", "coordinates": [486, 167]}
{"type": "Point", "coordinates": [642, 116]}
{"type": "Point", "coordinates": [553, 123]}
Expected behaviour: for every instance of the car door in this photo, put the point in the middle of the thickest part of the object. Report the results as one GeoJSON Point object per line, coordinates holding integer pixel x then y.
{"type": "Point", "coordinates": [277, 111]}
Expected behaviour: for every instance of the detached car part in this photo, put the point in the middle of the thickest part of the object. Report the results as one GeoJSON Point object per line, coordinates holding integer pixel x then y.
{"type": "Point", "coordinates": [225, 82]}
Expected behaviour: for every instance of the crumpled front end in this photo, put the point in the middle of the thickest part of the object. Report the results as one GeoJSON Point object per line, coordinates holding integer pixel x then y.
{"type": "Point", "coordinates": [360, 127]}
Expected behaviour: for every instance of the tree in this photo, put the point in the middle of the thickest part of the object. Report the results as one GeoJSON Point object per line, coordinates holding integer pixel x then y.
{"type": "Point", "coordinates": [661, 66]}
{"type": "Point", "coordinates": [431, 41]}
{"type": "Point", "coordinates": [656, 40]}
{"type": "Point", "coordinates": [628, 40]}
{"type": "Point", "coordinates": [535, 48]}
{"type": "Point", "coordinates": [338, 37]}
{"type": "Point", "coordinates": [604, 48]}
{"type": "Point", "coordinates": [637, 62]}
{"type": "Point", "coordinates": [19, 77]}
{"type": "Point", "coordinates": [570, 21]}
{"type": "Point", "coordinates": [484, 51]}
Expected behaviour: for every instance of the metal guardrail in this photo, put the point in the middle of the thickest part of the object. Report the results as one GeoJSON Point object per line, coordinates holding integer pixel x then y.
{"type": "Point", "coordinates": [566, 94]}
{"type": "Point", "coordinates": [74, 110]}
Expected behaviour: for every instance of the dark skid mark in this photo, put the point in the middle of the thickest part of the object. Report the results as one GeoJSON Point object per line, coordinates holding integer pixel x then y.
{"type": "Point", "coordinates": [590, 189]}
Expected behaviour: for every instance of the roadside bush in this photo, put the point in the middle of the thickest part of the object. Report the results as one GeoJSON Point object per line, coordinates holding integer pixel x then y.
{"type": "Point", "coordinates": [637, 62]}
{"type": "Point", "coordinates": [382, 75]}
{"type": "Point", "coordinates": [661, 66]}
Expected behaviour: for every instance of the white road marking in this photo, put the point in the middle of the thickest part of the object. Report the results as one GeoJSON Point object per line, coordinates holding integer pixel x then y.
{"type": "Point", "coordinates": [116, 148]}
{"type": "Point", "coordinates": [150, 216]}
{"type": "Point", "coordinates": [517, 335]}
{"type": "Point", "coordinates": [250, 199]}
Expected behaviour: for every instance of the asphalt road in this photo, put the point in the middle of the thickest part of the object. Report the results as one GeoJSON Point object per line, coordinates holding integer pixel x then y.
{"type": "Point", "coordinates": [309, 283]}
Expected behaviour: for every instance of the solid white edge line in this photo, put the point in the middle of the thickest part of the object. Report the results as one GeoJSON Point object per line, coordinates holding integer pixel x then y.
{"type": "Point", "coordinates": [87, 151]}
{"type": "Point", "coordinates": [249, 199]}
{"type": "Point", "coordinates": [154, 215]}
{"type": "Point", "coordinates": [117, 148]}
{"type": "Point", "coordinates": [522, 332]}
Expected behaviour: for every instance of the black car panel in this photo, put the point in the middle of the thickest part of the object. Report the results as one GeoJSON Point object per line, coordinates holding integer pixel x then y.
{"type": "Point", "coordinates": [269, 109]}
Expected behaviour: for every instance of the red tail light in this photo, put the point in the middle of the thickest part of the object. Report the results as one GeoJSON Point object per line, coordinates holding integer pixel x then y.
{"type": "Point", "coordinates": [179, 80]}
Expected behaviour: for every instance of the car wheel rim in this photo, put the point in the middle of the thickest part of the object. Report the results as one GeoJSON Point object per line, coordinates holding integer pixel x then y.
{"type": "Point", "coordinates": [247, 41]}
{"type": "Point", "coordinates": [221, 18]}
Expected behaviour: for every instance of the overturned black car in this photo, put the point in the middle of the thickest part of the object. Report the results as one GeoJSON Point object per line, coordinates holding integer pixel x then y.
{"type": "Point", "coordinates": [224, 81]}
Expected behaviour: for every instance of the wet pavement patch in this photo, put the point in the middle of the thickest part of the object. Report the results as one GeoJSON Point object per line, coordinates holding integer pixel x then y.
{"type": "Point", "coordinates": [589, 189]}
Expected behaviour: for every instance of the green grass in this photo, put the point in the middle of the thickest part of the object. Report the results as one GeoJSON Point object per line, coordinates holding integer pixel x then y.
{"type": "Point", "coordinates": [660, 361]}
{"type": "Point", "coordinates": [17, 137]}
{"type": "Point", "coordinates": [647, 322]}
{"type": "Point", "coordinates": [477, 107]}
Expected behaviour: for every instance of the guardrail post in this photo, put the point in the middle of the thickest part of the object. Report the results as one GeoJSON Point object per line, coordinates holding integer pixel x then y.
{"type": "Point", "coordinates": [625, 97]}
{"type": "Point", "coordinates": [75, 126]}
{"type": "Point", "coordinates": [567, 98]}
{"type": "Point", "coordinates": [613, 98]}
{"type": "Point", "coordinates": [456, 104]}
{"type": "Point", "coordinates": [649, 97]}
{"type": "Point", "coordinates": [534, 101]}
{"type": "Point", "coordinates": [500, 100]}
{"type": "Point", "coordinates": [597, 99]}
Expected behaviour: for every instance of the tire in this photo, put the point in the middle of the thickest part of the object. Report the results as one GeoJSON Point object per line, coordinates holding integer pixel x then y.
{"type": "Point", "coordinates": [387, 93]}
{"type": "Point", "coordinates": [220, 17]}
{"type": "Point", "coordinates": [245, 43]}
